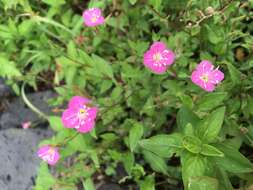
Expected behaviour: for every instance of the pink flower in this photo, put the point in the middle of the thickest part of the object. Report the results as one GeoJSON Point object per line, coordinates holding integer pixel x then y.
{"type": "Point", "coordinates": [79, 115]}
{"type": "Point", "coordinates": [93, 17]}
{"type": "Point", "coordinates": [158, 58]}
{"type": "Point", "coordinates": [206, 76]}
{"type": "Point", "coordinates": [49, 154]}
{"type": "Point", "coordinates": [26, 125]}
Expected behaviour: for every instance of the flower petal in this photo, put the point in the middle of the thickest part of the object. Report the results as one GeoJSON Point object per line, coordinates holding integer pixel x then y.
{"type": "Point", "coordinates": [207, 86]}
{"type": "Point", "coordinates": [69, 118]}
{"type": "Point", "coordinates": [43, 150]}
{"type": "Point", "coordinates": [78, 102]}
{"type": "Point", "coordinates": [205, 66]}
{"type": "Point", "coordinates": [86, 127]}
{"type": "Point", "coordinates": [92, 113]}
{"type": "Point", "coordinates": [168, 56]}
{"type": "Point", "coordinates": [216, 76]}
{"type": "Point", "coordinates": [158, 46]}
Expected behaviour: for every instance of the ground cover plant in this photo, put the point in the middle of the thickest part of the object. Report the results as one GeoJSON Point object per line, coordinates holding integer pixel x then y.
{"type": "Point", "coordinates": [152, 94]}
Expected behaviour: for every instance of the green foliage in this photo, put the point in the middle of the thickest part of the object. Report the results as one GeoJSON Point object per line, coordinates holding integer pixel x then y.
{"type": "Point", "coordinates": [162, 129]}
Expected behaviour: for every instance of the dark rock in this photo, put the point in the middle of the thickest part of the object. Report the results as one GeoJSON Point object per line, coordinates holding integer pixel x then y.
{"type": "Point", "coordinates": [17, 112]}
{"type": "Point", "coordinates": [4, 89]}
{"type": "Point", "coordinates": [110, 186]}
{"type": "Point", "coordinates": [18, 160]}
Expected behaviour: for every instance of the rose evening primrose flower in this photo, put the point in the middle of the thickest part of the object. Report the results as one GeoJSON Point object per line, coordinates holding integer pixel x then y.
{"type": "Point", "coordinates": [49, 154]}
{"type": "Point", "coordinates": [93, 17]}
{"type": "Point", "coordinates": [158, 58]}
{"type": "Point", "coordinates": [79, 115]}
{"type": "Point", "coordinates": [206, 77]}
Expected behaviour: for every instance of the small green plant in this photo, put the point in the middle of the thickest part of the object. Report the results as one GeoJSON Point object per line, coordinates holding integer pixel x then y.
{"type": "Point", "coordinates": [162, 88]}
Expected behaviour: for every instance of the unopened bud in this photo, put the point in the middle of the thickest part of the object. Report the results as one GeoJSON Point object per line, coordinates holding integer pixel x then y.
{"type": "Point", "coordinates": [209, 10]}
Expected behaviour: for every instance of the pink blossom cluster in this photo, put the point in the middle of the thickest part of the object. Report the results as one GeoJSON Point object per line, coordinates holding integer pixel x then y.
{"type": "Point", "coordinates": [81, 115]}
{"type": "Point", "coordinates": [158, 59]}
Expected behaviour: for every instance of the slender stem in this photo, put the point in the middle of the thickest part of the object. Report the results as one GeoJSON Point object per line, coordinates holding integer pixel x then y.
{"type": "Point", "coordinates": [30, 105]}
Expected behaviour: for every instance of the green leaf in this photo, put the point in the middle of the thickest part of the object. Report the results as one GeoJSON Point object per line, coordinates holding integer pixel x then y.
{"type": "Point", "coordinates": [234, 73]}
{"type": "Point", "coordinates": [128, 161]}
{"type": "Point", "coordinates": [94, 157]}
{"type": "Point", "coordinates": [26, 27]}
{"type": "Point", "coordinates": [79, 143]}
{"type": "Point", "coordinates": [132, 2]}
{"type": "Point", "coordinates": [213, 36]}
{"type": "Point", "coordinates": [203, 183]}
{"type": "Point", "coordinates": [88, 184]}
{"type": "Point", "coordinates": [156, 4]}
{"type": "Point", "coordinates": [163, 145]}
{"type": "Point", "coordinates": [233, 161]}
{"type": "Point", "coordinates": [55, 123]}
{"type": "Point", "coordinates": [210, 127]}
{"type": "Point", "coordinates": [54, 3]}
{"type": "Point", "coordinates": [8, 68]}
{"type": "Point", "coordinates": [224, 182]}
{"type": "Point", "coordinates": [210, 101]}
{"type": "Point", "coordinates": [71, 50]}
{"type": "Point", "coordinates": [148, 183]}
{"type": "Point", "coordinates": [192, 144]}
{"type": "Point", "coordinates": [209, 150]}
{"type": "Point", "coordinates": [193, 165]}
{"type": "Point", "coordinates": [156, 162]}
{"type": "Point", "coordinates": [45, 180]}
{"type": "Point", "coordinates": [103, 66]}
{"type": "Point", "coordinates": [135, 135]}
{"type": "Point", "coordinates": [185, 116]}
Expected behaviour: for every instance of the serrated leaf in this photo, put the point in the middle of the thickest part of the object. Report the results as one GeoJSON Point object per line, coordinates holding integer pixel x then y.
{"type": "Point", "coordinates": [8, 68]}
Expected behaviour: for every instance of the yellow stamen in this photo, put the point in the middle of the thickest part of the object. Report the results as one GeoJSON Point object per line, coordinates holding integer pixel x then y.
{"type": "Point", "coordinates": [94, 19]}
{"type": "Point", "coordinates": [157, 57]}
{"type": "Point", "coordinates": [204, 78]}
{"type": "Point", "coordinates": [51, 151]}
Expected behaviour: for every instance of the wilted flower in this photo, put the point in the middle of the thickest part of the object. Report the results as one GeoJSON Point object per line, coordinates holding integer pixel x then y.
{"type": "Point", "coordinates": [158, 58]}
{"type": "Point", "coordinates": [49, 154]}
{"type": "Point", "coordinates": [26, 125]}
{"type": "Point", "coordinates": [93, 17]}
{"type": "Point", "coordinates": [79, 115]}
{"type": "Point", "coordinates": [206, 76]}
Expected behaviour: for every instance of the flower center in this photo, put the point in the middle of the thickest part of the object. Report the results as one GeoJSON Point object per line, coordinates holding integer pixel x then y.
{"type": "Point", "coordinates": [51, 151]}
{"type": "Point", "coordinates": [204, 77]}
{"type": "Point", "coordinates": [94, 19]}
{"type": "Point", "coordinates": [157, 57]}
{"type": "Point", "coordinates": [82, 113]}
